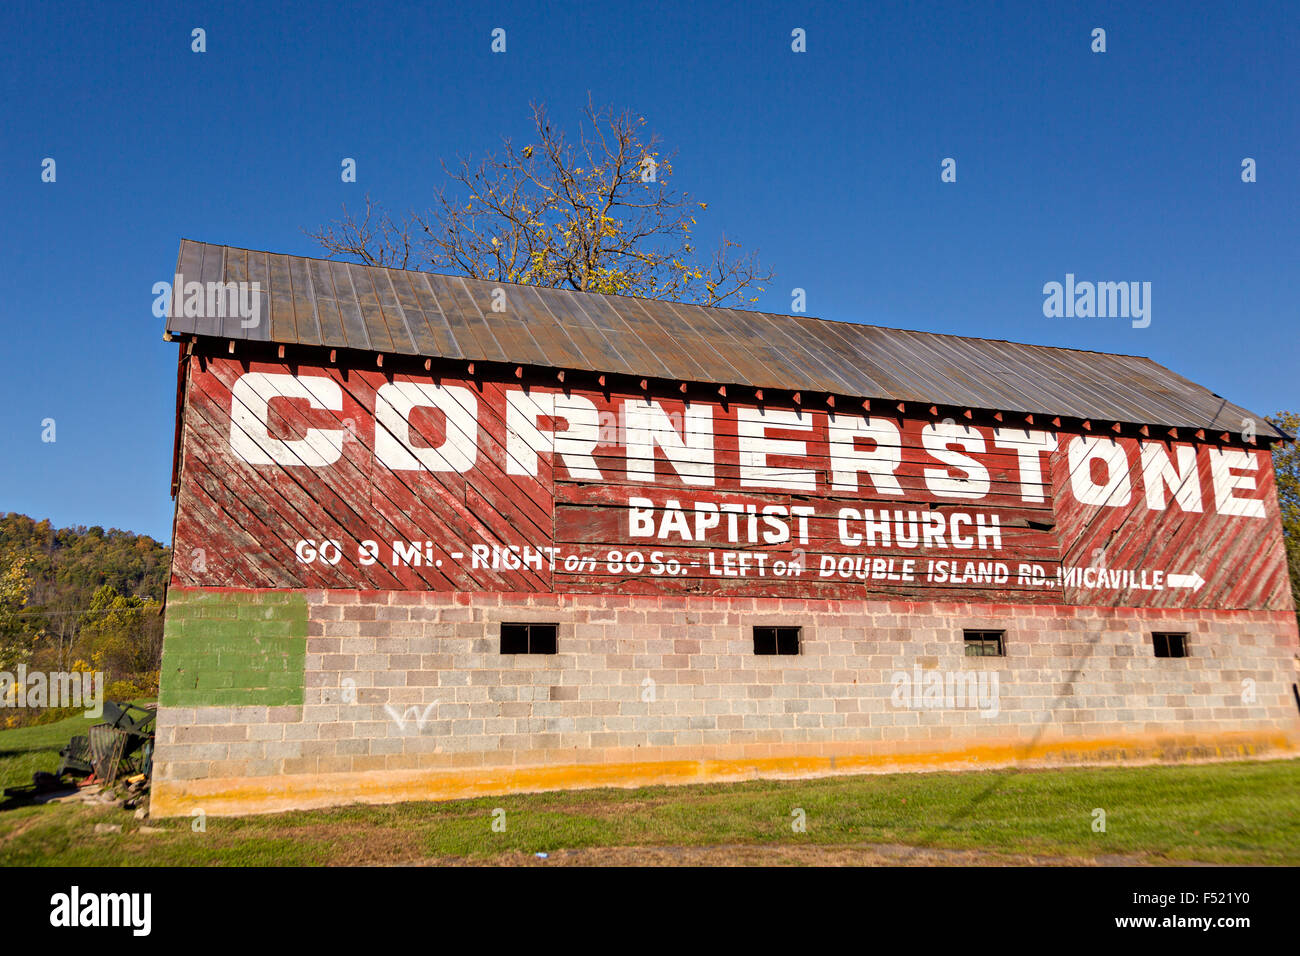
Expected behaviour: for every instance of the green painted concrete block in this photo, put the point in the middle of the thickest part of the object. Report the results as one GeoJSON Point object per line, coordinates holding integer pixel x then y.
{"type": "Point", "coordinates": [233, 649]}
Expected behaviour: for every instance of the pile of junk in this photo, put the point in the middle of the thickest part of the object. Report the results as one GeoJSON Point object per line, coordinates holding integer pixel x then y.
{"type": "Point", "coordinates": [111, 763]}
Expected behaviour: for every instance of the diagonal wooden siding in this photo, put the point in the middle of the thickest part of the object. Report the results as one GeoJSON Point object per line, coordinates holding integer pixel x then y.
{"type": "Point", "coordinates": [241, 525]}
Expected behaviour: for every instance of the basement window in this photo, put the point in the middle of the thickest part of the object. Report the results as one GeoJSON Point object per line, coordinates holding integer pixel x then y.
{"type": "Point", "coordinates": [985, 643]}
{"type": "Point", "coordinates": [776, 640]}
{"type": "Point", "coordinates": [529, 638]}
{"type": "Point", "coordinates": [1169, 644]}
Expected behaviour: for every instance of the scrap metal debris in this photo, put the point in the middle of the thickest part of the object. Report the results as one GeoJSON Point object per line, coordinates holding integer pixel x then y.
{"type": "Point", "coordinates": [111, 764]}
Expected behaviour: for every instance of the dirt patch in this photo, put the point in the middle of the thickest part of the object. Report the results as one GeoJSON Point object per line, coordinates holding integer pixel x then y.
{"type": "Point", "coordinates": [19, 830]}
{"type": "Point", "coordinates": [861, 854]}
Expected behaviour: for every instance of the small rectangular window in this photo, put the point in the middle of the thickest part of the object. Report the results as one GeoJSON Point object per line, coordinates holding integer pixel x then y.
{"type": "Point", "coordinates": [1169, 644]}
{"type": "Point", "coordinates": [776, 640]}
{"type": "Point", "coordinates": [985, 643]}
{"type": "Point", "coordinates": [529, 638]}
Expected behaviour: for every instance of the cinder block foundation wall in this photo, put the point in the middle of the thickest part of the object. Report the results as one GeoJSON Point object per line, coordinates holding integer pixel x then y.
{"type": "Point", "coordinates": [277, 700]}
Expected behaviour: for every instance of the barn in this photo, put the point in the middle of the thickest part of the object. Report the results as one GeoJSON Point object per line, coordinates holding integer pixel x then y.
{"type": "Point", "coordinates": [439, 537]}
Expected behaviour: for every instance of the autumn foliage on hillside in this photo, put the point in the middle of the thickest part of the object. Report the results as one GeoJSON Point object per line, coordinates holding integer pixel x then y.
{"type": "Point", "coordinates": [1286, 465]}
{"type": "Point", "coordinates": [76, 599]}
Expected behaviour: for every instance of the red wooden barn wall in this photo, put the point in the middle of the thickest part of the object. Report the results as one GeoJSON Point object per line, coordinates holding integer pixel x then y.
{"type": "Point", "coordinates": [262, 525]}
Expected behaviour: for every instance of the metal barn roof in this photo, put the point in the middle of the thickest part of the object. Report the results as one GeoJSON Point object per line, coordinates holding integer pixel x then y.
{"type": "Point", "coordinates": [345, 305]}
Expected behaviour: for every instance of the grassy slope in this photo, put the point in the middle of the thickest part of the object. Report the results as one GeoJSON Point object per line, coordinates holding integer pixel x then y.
{"type": "Point", "coordinates": [1228, 813]}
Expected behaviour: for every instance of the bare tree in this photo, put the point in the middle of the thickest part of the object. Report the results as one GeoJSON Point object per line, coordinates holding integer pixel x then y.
{"type": "Point", "coordinates": [597, 216]}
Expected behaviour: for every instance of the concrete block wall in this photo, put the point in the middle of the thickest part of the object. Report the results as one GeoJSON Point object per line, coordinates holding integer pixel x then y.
{"type": "Point", "coordinates": [405, 695]}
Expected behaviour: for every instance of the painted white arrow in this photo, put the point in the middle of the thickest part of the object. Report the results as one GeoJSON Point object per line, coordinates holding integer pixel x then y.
{"type": "Point", "coordinates": [1193, 581]}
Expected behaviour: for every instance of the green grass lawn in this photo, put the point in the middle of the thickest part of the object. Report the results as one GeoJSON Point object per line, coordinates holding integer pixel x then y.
{"type": "Point", "coordinates": [1247, 812]}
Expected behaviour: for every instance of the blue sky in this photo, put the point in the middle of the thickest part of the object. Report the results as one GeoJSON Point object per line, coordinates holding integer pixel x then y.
{"type": "Point", "coordinates": [1122, 166]}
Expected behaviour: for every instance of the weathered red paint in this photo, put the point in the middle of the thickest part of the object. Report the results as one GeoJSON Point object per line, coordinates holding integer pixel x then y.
{"type": "Point", "coordinates": [248, 525]}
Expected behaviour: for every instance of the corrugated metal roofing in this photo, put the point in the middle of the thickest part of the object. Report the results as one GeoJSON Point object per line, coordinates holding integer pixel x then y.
{"type": "Point", "coordinates": [346, 305]}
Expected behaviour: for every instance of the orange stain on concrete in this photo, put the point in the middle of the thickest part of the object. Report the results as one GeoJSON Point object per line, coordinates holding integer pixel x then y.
{"type": "Point", "coordinates": [235, 796]}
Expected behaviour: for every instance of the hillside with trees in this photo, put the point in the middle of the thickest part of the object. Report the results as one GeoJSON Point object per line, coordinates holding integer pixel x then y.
{"type": "Point", "coordinates": [74, 599]}
{"type": "Point", "coordinates": [1286, 466]}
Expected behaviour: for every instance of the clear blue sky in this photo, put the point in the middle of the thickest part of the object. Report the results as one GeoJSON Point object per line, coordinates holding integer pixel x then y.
{"type": "Point", "coordinates": [1116, 166]}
